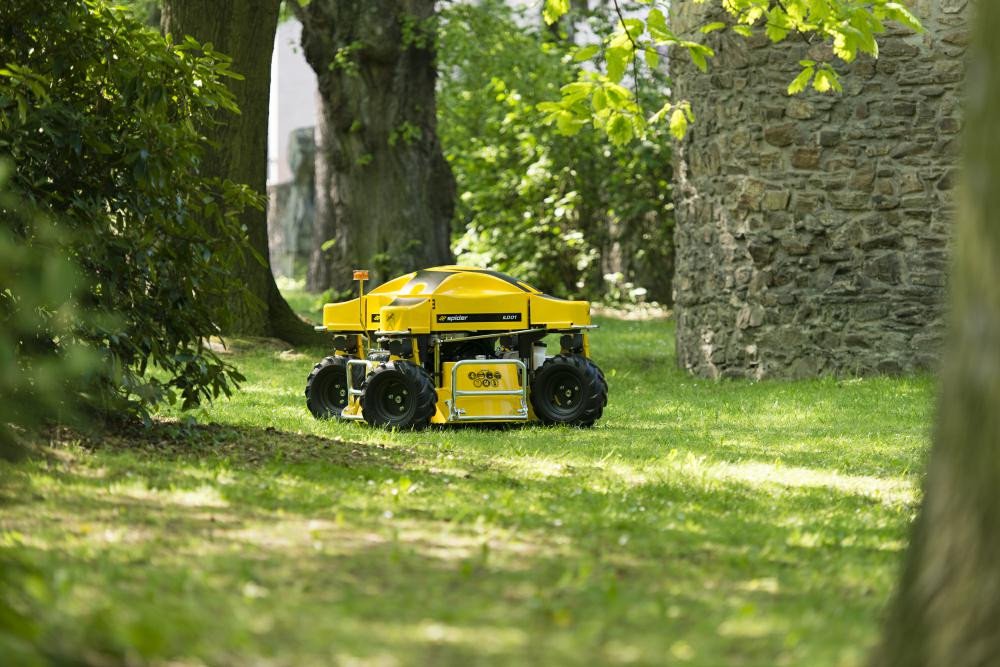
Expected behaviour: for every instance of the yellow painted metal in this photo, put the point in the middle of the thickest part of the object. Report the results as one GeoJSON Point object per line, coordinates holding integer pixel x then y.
{"type": "Point", "coordinates": [479, 377]}
{"type": "Point", "coordinates": [457, 299]}
{"type": "Point", "coordinates": [441, 413]}
{"type": "Point", "coordinates": [353, 409]}
{"type": "Point", "coordinates": [454, 298]}
{"type": "Point", "coordinates": [342, 316]}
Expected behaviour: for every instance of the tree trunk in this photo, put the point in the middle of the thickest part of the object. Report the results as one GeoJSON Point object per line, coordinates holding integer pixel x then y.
{"type": "Point", "coordinates": [385, 195]}
{"type": "Point", "coordinates": [244, 30]}
{"type": "Point", "coordinates": [947, 610]}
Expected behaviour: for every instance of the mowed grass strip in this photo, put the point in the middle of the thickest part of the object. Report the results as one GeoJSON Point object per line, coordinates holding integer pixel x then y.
{"type": "Point", "coordinates": [698, 523]}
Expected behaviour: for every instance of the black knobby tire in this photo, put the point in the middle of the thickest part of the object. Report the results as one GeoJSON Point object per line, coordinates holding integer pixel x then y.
{"type": "Point", "coordinates": [398, 394]}
{"type": "Point", "coordinates": [326, 388]}
{"type": "Point", "coordinates": [569, 389]}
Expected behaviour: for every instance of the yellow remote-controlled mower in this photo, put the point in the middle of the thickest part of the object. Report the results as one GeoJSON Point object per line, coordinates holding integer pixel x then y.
{"type": "Point", "coordinates": [456, 344]}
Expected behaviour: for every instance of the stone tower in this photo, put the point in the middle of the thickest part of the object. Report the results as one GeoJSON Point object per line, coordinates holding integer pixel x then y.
{"type": "Point", "coordinates": [812, 231]}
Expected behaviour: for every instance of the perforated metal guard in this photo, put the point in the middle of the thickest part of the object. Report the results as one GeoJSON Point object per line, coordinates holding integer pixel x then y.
{"type": "Point", "coordinates": [458, 414]}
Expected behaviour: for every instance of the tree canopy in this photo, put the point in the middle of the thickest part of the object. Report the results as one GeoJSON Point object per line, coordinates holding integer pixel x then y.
{"type": "Point", "coordinates": [572, 215]}
{"type": "Point", "coordinates": [601, 96]}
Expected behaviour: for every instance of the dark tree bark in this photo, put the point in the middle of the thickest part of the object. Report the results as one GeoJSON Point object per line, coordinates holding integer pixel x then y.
{"type": "Point", "coordinates": [385, 195]}
{"type": "Point", "coordinates": [947, 609]}
{"type": "Point", "coordinates": [244, 30]}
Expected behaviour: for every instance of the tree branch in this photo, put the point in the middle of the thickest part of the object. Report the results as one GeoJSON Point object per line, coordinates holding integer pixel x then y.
{"type": "Point", "coordinates": [635, 57]}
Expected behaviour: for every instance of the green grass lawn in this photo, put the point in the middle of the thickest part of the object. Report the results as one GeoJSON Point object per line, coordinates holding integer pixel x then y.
{"type": "Point", "coordinates": [698, 523]}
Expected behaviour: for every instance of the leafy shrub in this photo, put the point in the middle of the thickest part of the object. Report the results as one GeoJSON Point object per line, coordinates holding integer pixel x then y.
{"type": "Point", "coordinates": [100, 117]}
{"type": "Point", "coordinates": [39, 377]}
{"type": "Point", "coordinates": [561, 212]}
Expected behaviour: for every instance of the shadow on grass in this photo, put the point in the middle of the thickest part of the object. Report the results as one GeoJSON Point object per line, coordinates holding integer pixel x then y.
{"type": "Point", "coordinates": [231, 544]}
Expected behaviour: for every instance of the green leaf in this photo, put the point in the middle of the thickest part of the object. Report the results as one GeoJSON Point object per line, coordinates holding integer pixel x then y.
{"type": "Point", "coordinates": [775, 33]}
{"type": "Point", "coordinates": [634, 28]}
{"type": "Point", "coordinates": [899, 13]}
{"type": "Point", "coordinates": [751, 15]}
{"type": "Point", "coordinates": [744, 30]}
{"type": "Point", "coordinates": [618, 95]}
{"type": "Point", "coordinates": [712, 27]}
{"type": "Point", "coordinates": [568, 124]}
{"type": "Point", "coordinates": [22, 108]}
{"type": "Point", "coordinates": [777, 27]}
{"type": "Point", "coordinates": [827, 80]}
{"type": "Point", "coordinates": [865, 33]}
{"type": "Point", "coordinates": [618, 60]}
{"type": "Point", "coordinates": [576, 91]}
{"type": "Point", "coordinates": [554, 10]}
{"type": "Point", "coordinates": [656, 20]}
{"type": "Point", "coordinates": [845, 45]}
{"type": "Point", "coordinates": [600, 100]}
{"type": "Point", "coordinates": [818, 10]}
{"type": "Point", "coordinates": [678, 124]}
{"type": "Point", "coordinates": [652, 57]}
{"type": "Point", "coordinates": [822, 83]}
{"type": "Point", "coordinates": [656, 23]}
{"type": "Point", "coordinates": [698, 58]}
{"type": "Point", "coordinates": [660, 114]}
{"type": "Point", "coordinates": [586, 53]}
{"type": "Point", "coordinates": [621, 40]}
{"type": "Point", "coordinates": [619, 129]}
{"type": "Point", "coordinates": [801, 81]}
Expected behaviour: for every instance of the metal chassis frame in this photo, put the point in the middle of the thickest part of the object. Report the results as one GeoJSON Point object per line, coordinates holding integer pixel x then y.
{"type": "Point", "coordinates": [351, 391]}
{"type": "Point", "coordinates": [454, 412]}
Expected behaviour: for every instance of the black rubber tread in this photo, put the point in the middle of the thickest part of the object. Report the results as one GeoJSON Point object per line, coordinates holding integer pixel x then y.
{"type": "Point", "coordinates": [591, 394]}
{"type": "Point", "coordinates": [326, 388]}
{"type": "Point", "coordinates": [420, 401]}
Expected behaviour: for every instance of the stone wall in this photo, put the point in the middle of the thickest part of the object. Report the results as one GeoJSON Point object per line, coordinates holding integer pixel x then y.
{"type": "Point", "coordinates": [813, 231]}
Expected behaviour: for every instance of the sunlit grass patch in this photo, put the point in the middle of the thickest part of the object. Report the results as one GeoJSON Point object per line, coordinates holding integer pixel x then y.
{"type": "Point", "coordinates": [698, 523]}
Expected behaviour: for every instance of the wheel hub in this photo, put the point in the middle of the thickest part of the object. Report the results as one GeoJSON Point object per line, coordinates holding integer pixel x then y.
{"type": "Point", "coordinates": [396, 398]}
{"type": "Point", "coordinates": [567, 394]}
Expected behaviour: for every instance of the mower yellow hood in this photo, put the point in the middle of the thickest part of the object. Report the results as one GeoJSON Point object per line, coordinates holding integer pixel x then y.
{"type": "Point", "coordinates": [454, 298]}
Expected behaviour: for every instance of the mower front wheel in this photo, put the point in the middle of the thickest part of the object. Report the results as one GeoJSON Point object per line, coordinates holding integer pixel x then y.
{"type": "Point", "coordinates": [326, 388]}
{"type": "Point", "coordinates": [569, 389]}
{"type": "Point", "coordinates": [398, 394]}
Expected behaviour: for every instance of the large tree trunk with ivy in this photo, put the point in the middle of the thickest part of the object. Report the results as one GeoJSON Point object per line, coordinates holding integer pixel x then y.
{"type": "Point", "coordinates": [947, 610]}
{"type": "Point", "coordinates": [385, 195]}
{"type": "Point", "coordinates": [244, 30]}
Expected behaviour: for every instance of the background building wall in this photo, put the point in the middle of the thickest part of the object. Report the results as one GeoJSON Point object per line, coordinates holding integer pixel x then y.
{"type": "Point", "coordinates": [293, 98]}
{"type": "Point", "coordinates": [813, 231]}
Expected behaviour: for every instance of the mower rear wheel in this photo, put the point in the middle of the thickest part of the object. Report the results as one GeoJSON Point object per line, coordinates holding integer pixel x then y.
{"type": "Point", "coordinates": [398, 394]}
{"type": "Point", "coordinates": [569, 389]}
{"type": "Point", "coordinates": [326, 388]}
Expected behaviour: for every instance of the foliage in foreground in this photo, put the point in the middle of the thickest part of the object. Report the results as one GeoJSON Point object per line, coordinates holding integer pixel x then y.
{"type": "Point", "coordinates": [699, 523]}
{"type": "Point", "coordinates": [38, 378]}
{"type": "Point", "coordinates": [574, 216]}
{"type": "Point", "coordinates": [98, 115]}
